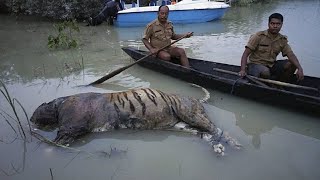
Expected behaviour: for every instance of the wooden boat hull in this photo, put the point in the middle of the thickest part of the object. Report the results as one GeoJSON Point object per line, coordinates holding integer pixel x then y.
{"type": "Point", "coordinates": [203, 74]}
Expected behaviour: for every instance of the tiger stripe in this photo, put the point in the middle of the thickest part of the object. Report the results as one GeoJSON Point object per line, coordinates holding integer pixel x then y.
{"type": "Point", "coordinates": [111, 97]}
{"type": "Point", "coordinates": [163, 97]}
{"type": "Point", "coordinates": [126, 95]}
{"type": "Point", "coordinates": [152, 98]}
{"type": "Point", "coordinates": [120, 100]}
{"type": "Point", "coordinates": [116, 108]}
{"type": "Point", "coordinates": [138, 98]}
{"type": "Point", "coordinates": [132, 108]}
{"type": "Point", "coordinates": [179, 102]}
{"type": "Point", "coordinates": [154, 94]}
{"type": "Point", "coordinates": [169, 99]}
{"type": "Point", "coordinates": [174, 100]}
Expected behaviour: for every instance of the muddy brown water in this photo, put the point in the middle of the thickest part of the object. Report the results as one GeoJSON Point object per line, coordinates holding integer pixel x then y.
{"type": "Point", "coordinates": [277, 143]}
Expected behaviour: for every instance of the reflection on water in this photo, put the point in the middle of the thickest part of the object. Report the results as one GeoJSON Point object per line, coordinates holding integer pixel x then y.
{"type": "Point", "coordinates": [256, 119]}
{"type": "Point", "coordinates": [275, 140]}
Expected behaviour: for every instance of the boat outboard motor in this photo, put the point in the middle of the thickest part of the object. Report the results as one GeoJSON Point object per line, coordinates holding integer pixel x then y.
{"type": "Point", "coordinates": [108, 13]}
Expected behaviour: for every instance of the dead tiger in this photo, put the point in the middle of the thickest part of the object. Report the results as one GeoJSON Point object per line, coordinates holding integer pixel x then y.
{"type": "Point", "coordinates": [143, 109]}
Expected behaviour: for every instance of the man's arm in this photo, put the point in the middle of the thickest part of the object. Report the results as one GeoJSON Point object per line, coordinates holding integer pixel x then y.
{"type": "Point", "coordinates": [148, 45]}
{"type": "Point", "coordinates": [249, 48]}
{"type": "Point", "coordinates": [294, 60]}
{"type": "Point", "coordinates": [244, 59]}
{"type": "Point", "coordinates": [146, 39]}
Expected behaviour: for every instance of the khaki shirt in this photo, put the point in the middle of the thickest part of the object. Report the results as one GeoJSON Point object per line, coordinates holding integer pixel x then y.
{"type": "Point", "coordinates": [159, 35]}
{"type": "Point", "coordinates": [265, 49]}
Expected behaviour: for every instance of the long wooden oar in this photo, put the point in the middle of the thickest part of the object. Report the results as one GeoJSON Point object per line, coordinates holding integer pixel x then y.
{"type": "Point", "coordinates": [268, 80]}
{"type": "Point", "coordinates": [115, 72]}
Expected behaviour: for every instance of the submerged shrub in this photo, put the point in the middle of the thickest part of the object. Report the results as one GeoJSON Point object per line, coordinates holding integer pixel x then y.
{"type": "Point", "coordinates": [65, 38]}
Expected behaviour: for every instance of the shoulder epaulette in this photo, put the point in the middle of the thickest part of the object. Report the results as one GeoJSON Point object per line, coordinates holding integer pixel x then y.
{"type": "Point", "coordinates": [284, 37]}
{"type": "Point", "coordinates": [261, 33]}
{"type": "Point", "coordinates": [152, 22]}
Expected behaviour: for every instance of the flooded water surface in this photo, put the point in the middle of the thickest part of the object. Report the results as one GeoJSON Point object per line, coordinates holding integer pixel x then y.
{"type": "Point", "coordinates": [277, 143]}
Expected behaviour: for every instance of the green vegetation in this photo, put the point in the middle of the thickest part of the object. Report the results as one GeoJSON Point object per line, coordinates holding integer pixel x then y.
{"type": "Point", "coordinates": [64, 39]}
{"type": "Point", "coordinates": [14, 121]}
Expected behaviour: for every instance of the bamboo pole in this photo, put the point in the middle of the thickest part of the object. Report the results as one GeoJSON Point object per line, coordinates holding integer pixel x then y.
{"type": "Point", "coordinates": [269, 80]}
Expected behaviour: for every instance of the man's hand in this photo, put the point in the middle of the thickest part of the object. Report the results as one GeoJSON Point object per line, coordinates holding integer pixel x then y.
{"type": "Point", "coordinates": [154, 51]}
{"type": "Point", "coordinates": [294, 60]}
{"type": "Point", "coordinates": [242, 73]}
{"type": "Point", "coordinates": [189, 34]}
{"type": "Point", "coordinates": [300, 75]}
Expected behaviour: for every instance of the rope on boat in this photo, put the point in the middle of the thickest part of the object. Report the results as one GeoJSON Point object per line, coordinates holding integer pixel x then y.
{"type": "Point", "coordinates": [234, 84]}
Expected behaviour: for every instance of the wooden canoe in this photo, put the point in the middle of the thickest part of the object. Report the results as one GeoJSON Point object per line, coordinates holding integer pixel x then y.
{"type": "Point", "coordinates": [224, 77]}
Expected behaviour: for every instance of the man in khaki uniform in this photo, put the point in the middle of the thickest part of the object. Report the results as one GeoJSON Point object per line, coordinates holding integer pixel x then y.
{"type": "Point", "coordinates": [159, 33]}
{"type": "Point", "coordinates": [263, 49]}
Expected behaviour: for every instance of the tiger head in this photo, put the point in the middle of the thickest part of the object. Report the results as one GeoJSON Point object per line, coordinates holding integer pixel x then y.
{"type": "Point", "coordinates": [47, 113]}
